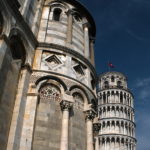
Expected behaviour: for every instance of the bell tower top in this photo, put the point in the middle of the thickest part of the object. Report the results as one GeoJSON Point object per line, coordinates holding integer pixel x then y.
{"type": "Point", "coordinates": [110, 80]}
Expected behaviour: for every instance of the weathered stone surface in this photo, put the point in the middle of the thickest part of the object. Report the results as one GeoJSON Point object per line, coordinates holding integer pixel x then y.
{"type": "Point", "coordinates": [47, 126]}
{"type": "Point", "coordinates": [8, 88]}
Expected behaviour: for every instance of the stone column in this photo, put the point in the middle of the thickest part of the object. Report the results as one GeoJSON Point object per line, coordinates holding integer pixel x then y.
{"type": "Point", "coordinates": [37, 59]}
{"type": "Point", "coordinates": [92, 40]}
{"type": "Point", "coordinates": [29, 120]}
{"type": "Point", "coordinates": [89, 122]}
{"type": "Point", "coordinates": [105, 144]}
{"type": "Point", "coordinates": [51, 14]}
{"type": "Point", "coordinates": [96, 128]}
{"type": "Point", "coordinates": [14, 139]}
{"type": "Point", "coordinates": [119, 97]}
{"type": "Point", "coordinates": [70, 27]}
{"type": "Point", "coordinates": [65, 106]}
{"type": "Point", "coordinates": [131, 146]}
{"type": "Point", "coordinates": [128, 146]}
{"type": "Point", "coordinates": [124, 129]}
{"type": "Point", "coordinates": [130, 118]}
{"type": "Point", "coordinates": [97, 143]}
{"type": "Point", "coordinates": [86, 40]}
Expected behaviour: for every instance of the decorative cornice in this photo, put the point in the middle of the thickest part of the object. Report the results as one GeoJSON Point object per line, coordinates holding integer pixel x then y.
{"type": "Point", "coordinates": [115, 118]}
{"type": "Point", "coordinates": [116, 135]}
{"type": "Point", "coordinates": [115, 104]}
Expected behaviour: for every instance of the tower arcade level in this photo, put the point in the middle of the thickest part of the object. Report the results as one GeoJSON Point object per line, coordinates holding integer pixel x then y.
{"type": "Point", "coordinates": [115, 113]}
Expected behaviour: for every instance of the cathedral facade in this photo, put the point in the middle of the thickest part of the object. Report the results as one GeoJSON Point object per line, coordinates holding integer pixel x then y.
{"type": "Point", "coordinates": [48, 97]}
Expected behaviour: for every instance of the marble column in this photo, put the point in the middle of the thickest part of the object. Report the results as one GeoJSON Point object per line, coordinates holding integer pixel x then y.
{"type": "Point", "coordinates": [89, 122]}
{"type": "Point", "coordinates": [128, 146]}
{"type": "Point", "coordinates": [65, 106]}
{"type": "Point", "coordinates": [51, 14]}
{"type": "Point", "coordinates": [70, 27]}
{"type": "Point", "coordinates": [97, 143]}
{"type": "Point", "coordinates": [92, 40]}
{"type": "Point", "coordinates": [105, 145]}
{"type": "Point", "coordinates": [86, 40]}
{"type": "Point", "coordinates": [96, 129]}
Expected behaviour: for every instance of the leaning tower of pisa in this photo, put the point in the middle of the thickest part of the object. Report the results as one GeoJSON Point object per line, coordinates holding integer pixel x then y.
{"type": "Point", "coordinates": [116, 113]}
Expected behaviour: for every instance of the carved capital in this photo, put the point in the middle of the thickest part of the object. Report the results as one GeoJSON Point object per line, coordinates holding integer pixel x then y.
{"type": "Point", "coordinates": [27, 67]}
{"type": "Point", "coordinates": [66, 105]}
{"type": "Point", "coordinates": [90, 115]}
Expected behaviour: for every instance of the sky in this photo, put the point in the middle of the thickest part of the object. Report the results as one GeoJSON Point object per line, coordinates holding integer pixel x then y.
{"type": "Point", "coordinates": [123, 37]}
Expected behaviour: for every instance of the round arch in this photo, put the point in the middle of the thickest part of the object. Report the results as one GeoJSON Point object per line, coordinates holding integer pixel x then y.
{"type": "Point", "coordinates": [56, 4]}
{"type": "Point", "coordinates": [45, 78]}
{"type": "Point", "coordinates": [17, 49]}
{"type": "Point", "coordinates": [79, 91]}
{"type": "Point", "coordinates": [83, 92]}
{"type": "Point", "coordinates": [15, 36]}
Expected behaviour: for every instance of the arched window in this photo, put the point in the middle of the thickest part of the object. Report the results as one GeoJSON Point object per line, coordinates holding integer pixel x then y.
{"type": "Point", "coordinates": [119, 84]}
{"type": "Point", "coordinates": [121, 98]}
{"type": "Point", "coordinates": [17, 49]}
{"type": "Point", "coordinates": [57, 14]}
{"type": "Point", "coordinates": [112, 78]}
{"type": "Point", "coordinates": [79, 101]}
{"type": "Point", "coordinates": [106, 84]}
{"type": "Point", "coordinates": [77, 17]}
{"type": "Point", "coordinates": [1, 23]}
